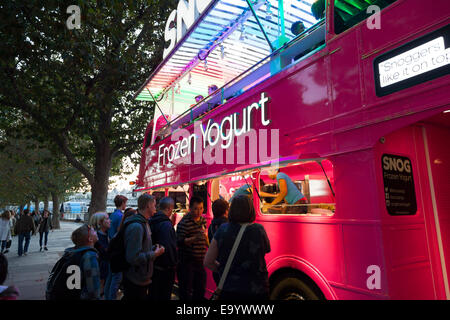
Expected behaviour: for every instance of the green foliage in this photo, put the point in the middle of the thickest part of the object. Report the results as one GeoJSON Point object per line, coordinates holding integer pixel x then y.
{"type": "Point", "coordinates": [77, 85]}
{"type": "Point", "coordinates": [31, 171]}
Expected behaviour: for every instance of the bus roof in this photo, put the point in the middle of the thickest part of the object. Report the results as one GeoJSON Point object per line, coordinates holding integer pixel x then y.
{"type": "Point", "coordinates": [224, 41]}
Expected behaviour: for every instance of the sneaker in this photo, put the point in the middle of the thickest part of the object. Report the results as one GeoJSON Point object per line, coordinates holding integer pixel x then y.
{"type": "Point", "coordinates": [40, 249]}
{"type": "Point", "coordinates": [45, 248]}
{"type": "Point", "coordinates": [24, 253]}
{"type": "Point", "coordinates": [6, 251]}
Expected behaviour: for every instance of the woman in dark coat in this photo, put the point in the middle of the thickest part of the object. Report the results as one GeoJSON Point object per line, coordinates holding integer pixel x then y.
{"type": "Point", "coordinates": [248, 277]}
{"type": "Point", "coordinates": [44, 226]}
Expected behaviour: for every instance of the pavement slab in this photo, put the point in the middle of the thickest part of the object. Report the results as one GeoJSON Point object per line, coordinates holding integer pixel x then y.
{"type": "Point", "coordinates": [30, 273]}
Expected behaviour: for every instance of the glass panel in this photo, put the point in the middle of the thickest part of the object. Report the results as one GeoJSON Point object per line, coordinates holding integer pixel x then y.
{"type": "Point", "coordinates": [350, 12]}
{"type": "Point", "coordinates": [227, 186]}
{"type": "Point", "coordinates": [307, 188]}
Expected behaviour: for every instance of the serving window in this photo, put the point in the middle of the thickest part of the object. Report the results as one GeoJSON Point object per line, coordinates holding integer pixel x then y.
{"type": "Point", "coordinates": [305, 188]}
{"type": "Point", "coordinates": [226, 187]}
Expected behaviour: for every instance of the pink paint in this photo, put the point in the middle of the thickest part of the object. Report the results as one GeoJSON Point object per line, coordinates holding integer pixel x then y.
{"type": "Point", "coordinates": [326, 106]}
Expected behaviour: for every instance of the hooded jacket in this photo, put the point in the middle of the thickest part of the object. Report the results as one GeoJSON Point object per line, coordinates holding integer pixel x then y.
{"type": "Point", "coordinates": [138, 251]}
{"type": "Point", "coordinates": [164, 234]}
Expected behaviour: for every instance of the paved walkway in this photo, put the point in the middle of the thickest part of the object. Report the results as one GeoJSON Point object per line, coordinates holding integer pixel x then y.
{"type": "Point", "coordinates": [30, 273]}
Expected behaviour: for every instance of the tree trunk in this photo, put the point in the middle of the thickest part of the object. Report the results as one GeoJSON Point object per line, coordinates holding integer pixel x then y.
{"type": "Point", "coordinates": [29, 206]}
{"type": "Point", "coordinates": [21, 209]}
{"type": "Point", "coordinates": [56, 213]}
{"type": "Point", "coordinates": [101, 180]}
{"type": "Point", "coordinates": [36, 206]}
{"type": "Point", "coordinates": [46, 203]}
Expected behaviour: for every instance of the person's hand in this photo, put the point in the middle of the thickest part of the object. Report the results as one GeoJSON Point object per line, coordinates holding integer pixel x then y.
{"type": "Point", "coordinates": [159, 250]}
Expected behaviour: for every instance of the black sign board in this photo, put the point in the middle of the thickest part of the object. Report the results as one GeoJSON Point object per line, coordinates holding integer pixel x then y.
{"type": "Point", "coordinates": [399, 192]}
{"type": "Point", "coordinates": [416, 62]}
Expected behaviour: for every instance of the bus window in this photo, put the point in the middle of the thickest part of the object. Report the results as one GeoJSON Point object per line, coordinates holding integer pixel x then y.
{"type": "Point", "coordinates": [227, 187]}
{"type": "Point", "coordinates": [308, 189]}
{"type": "Point", "coordinates": [350, 12]}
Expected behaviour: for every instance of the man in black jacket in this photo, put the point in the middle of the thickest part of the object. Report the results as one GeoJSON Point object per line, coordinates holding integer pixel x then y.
{"type": "Point", "coordinates": [165, 266]}
{"type": "Point", "coordinates": [24, 227]}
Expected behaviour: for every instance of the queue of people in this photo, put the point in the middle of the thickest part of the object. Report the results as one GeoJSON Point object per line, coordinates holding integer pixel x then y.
{"type": "Point", "coordinates": [154, 254]}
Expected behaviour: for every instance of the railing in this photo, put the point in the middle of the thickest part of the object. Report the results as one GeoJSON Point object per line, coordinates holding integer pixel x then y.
{"type": "Point", "coordinates": [74, 216]}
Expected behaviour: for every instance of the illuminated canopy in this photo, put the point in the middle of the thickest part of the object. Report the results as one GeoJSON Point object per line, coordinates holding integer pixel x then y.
{"type": "Point", "coordinates": [225, 41]}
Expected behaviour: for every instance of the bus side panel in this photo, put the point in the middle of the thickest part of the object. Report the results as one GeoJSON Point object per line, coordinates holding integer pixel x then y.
{"type": "Point", "coordinates": [437, 139]}
{"type": "Point", "coordinates": [409, 265]}
{"type": "Point", "coordinates": [357, 207]}
{"type": "Point", "coordinates": [363, 259]}
{"type": "Point", "coordinates": [318, 244]}
{"type": "Point", "coordinates": [437, 132]}
{"type": "Point", "coordinates": [344, 76]}
{"type": "Point", "coordinates": [403, 18]}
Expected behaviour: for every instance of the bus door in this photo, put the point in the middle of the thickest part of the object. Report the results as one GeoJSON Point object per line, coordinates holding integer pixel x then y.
{"type": "Point", "coordinates": [415, 210]}
{"type": "Point", "coordinates": [435, 165]}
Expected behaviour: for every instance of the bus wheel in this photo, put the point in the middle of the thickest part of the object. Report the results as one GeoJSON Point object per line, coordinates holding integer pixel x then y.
{"type": "Point", "coordinates": [294, 288]}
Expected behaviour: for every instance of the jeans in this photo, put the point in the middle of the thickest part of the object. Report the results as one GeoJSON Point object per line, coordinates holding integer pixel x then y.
{"type": "Point", "coordinates": [3, 245]}
{"type": "Point", "coordinates": [26, 236]}
{"type": "Point", "coordinates": [191, 280]}
{"type": "Point", "coordinates": [132, 291]}
{"type": "Point", "coordinates": [162, 283]}
{"type": "Point", "coordinates": [112, 285]}
{"type": "Point", "coordinates": [41, 234]}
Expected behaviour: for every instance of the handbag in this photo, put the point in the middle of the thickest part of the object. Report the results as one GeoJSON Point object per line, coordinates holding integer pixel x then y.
{"type": "Point", "coordinates": [216, 293]}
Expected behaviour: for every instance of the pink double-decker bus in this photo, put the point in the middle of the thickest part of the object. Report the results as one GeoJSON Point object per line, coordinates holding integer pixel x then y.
{"type": "Point", "coordinates": [350, 99]}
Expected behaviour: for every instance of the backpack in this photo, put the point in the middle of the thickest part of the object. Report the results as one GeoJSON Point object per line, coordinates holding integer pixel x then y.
{"type": "Point", "coordinates": [57, 281]}
{"type": "Point", "coordinates": [116, 250]}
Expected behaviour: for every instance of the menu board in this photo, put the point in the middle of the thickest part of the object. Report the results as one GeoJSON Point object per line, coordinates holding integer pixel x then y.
{"type": "Point", "coordinates": [398, 181]}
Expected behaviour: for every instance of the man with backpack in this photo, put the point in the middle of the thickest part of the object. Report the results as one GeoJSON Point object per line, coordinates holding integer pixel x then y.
{"type": "Point", "coordinates": [138, 250]}
{"type": "Point", "coordinates": [165, 266]}
{"type": "Point", "coordinates": [76, 276]}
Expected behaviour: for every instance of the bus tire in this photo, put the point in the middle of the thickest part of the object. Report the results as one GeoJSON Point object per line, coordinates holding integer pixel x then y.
{"type": "Point", "coordinates": [293, 287]}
